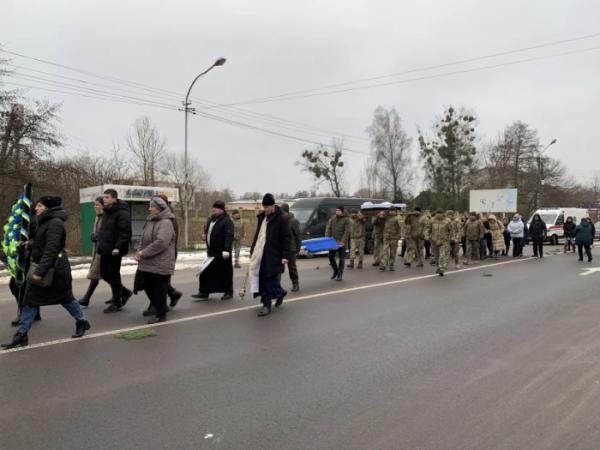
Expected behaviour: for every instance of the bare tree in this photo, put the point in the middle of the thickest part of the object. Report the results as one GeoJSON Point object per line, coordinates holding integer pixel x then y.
{"type": "Point", "coordinates": [326, 165]}
{"type": "Point", "coordinates": [198, 180]}
{"type": "Point", "coordinates": [147, 148]}
{"type": "Point", "coordinates": [392, 163]}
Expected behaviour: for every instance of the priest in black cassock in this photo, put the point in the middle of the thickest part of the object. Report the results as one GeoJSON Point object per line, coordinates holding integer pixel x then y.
{"type": "Point", "coordinates": [218, 275]}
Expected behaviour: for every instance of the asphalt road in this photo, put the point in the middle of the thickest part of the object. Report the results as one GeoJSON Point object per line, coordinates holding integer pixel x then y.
{"type": "Point", "coordinates": [499, 357]}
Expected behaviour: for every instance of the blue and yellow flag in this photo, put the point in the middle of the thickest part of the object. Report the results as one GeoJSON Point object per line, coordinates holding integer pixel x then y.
{"type": "Point", "coordinates": [16, 231]}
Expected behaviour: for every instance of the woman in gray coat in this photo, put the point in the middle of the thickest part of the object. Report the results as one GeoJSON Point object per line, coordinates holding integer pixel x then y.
{"type": "Point", "coordinates": [156, 256]}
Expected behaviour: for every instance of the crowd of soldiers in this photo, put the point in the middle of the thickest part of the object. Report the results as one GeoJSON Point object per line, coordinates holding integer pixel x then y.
{"type": "Point", "coordinates": [439, 237]}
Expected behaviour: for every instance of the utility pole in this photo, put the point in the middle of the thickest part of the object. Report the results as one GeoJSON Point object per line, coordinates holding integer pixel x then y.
{"type": "Point", "coordinates": [186, 181]}
{"type": "Point", "coordinates": [540, 159]}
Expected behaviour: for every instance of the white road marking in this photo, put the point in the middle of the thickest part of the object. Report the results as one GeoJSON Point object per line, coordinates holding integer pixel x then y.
{"type": "Point", "coordinates": [250, 307]}
{"type": "Point", "coordinates": [590, 271]}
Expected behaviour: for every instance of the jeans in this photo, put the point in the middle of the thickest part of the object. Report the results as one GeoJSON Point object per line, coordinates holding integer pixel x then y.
{"type": "Point", "coordinates": [538, 247]}
{"type": "Point", "coordinates": [28, 314]}
{"type": "Point", "coordinates": [341, 253]}
{"type": "Point", "coordinates": [110, 271]}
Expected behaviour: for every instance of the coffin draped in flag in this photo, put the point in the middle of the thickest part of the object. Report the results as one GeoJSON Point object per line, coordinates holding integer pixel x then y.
{"type": "Point", "coordinates": [16, 231]}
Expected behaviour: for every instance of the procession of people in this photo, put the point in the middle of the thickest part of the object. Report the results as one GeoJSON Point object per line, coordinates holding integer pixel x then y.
{"type": "Point", "coordinates": [277, 241]}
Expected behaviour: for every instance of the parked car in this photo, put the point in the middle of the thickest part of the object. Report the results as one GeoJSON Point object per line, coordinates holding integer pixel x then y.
{"type": "Point", "coordinates": [314, 213]}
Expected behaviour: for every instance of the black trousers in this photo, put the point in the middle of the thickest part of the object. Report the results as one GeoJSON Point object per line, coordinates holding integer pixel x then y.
{"type": "Point", "coordinates": [293, 269]}
{"type": "Point", "coordinates": [156, 287]}
{"type": "Point", "coordinates": [507, 244]}
{"type": "Point", "coordinates": [427, 249]}
{"type": "Point", "coordinates": [403, 250]}
{"type": "Point", "coordinates": [517, 247]}
{"type": "Point", "coordinates": [588, 251]}
{"type": "Point", "coordinates": [538, 246]}
{"type": "Point", "coordinates": [110, 271]}
{"type": "Point", "coordinates": [341, 253]}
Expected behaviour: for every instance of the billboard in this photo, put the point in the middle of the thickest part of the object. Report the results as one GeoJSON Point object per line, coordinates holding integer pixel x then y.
{"type": "Point", "coordinates": [129, 193]}
{"type": "Point", "coordinates": [493, 200]}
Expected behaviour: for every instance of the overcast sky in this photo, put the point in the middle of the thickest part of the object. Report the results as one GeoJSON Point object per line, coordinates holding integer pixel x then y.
{"type": "Point", "coordinates": [281, 46]}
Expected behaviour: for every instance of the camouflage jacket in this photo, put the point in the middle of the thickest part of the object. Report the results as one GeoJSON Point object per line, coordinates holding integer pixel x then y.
{"type": "Point", "coordinates": [474, 230]}
{"type": "Point", "coordinates": [238, 230]}
{"type": "Point", "coordinates": [415, 226]}
{"type": "Point", "coordinates": [438, 231]}
{"type": "Point", "coordinates": [357, 228]}
{"type": "Point", "coordinates": [378, 227]}
{"type": "Point", "coordinates": [393, 229]}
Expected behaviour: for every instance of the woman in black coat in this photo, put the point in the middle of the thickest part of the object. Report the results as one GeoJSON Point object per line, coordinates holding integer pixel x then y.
{"type": "Point", "coordinates": [537, 232]}
{"type": "Point", "coordinates": [48, 255]}
{"type": "Point", "coordinates": [269, 254]}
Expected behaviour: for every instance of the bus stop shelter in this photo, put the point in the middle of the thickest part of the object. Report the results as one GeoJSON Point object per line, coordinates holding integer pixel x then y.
{"type": "Point", "coordinates": [137, 197]}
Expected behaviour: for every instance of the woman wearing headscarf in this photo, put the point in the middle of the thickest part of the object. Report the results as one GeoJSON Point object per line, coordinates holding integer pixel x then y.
{"type": "Point", "coordinates": [269, 254]}
{"type": "Point", "coordinates": [497, 235]}
{"type": "Point", "coordinates": [157, 255]}
{"type": "Point", "coordinates": [49, 279]}
{"type": "Point", "coordinates": [94, 271]}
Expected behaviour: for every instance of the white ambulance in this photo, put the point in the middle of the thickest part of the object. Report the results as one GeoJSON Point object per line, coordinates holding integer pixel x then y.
{"type": "Point", "coordinates": [555, 219]}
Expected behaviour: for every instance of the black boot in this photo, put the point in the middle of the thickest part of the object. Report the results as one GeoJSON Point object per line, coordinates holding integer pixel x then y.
{"type": "Point", "coordinates": [175, 298]}
{"type": "Point", "coordinates": [18, 340]}
{"type": "Point", "coordinates": [200, 296]}
{"type": "Point", "coordinates": [81, 326]}
{"type": "Point", "coordinates": [151, 311]}
{"type": "Point", "coordinates": [295, 287]}
{"type": "Point", "coordinates": [157, 319]}
{"type": "Point", "coordinates": [335, 274]}
{"type": "Point", "coordinates": [279, 301]}
{"type": "Point", "coordinates": [113, 307]}
{"type": "Point", "coordinates": [125, 296]}
{"type": "Point", "coordinates": [84, 301]}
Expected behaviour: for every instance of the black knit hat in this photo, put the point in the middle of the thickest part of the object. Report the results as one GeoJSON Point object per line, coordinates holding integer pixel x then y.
{"type": "Point", "coordinates": [341, 208]}
{"type": "Point", "coordinates": [220, 204]}
{"type": "Point", "coordinates": [50, 201]}
{"type": "Point", "coordinates": [268, 200]}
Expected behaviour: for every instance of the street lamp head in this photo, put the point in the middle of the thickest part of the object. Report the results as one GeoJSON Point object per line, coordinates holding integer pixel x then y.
{"type": "Point", "coordinates": [220, 61]}
{"type": "Point", "coordinates": [553, 142]}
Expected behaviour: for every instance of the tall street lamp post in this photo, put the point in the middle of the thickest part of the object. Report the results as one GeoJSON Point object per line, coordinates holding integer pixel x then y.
{"type": "Point", "coordinates": [541, 169]}
{"type": "Point", "coordinates": [186, 181]}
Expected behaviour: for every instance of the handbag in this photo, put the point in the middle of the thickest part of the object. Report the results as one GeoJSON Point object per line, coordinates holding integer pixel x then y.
{"type": "Point", "coordinates": [47, 279]}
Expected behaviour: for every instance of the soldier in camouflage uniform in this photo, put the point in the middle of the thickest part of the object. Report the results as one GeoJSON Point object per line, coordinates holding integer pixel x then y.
{"type": "Point", "coordinates": [473, 231]}
{"type": "Point", "coordinates": [392, 233]}
{"type": "Point", "coordinates": [295, 246]}
{"type": "Point", "coordinates": [456, 238]}
{"type": "Point", "coordinates": [439, 233]}
{"type": "Point", "coordinates": [357, 238]}
{"type": "Point", "coordinates": [415, 233]}
{"type": "Point", "coordinates": [378, 227]}
{"type": "Point", "coordinates": [338, 228]}
{"type": "Point", "coordinates": [238, 235]}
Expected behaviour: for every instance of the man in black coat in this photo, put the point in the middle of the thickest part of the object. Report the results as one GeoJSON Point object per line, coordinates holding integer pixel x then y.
{"type": "Point", "coordinates": [113, 243]}
{"type": "Point", "coordinates": [269, 254]}
{"type": "Point", "coordinates": [218, 234]}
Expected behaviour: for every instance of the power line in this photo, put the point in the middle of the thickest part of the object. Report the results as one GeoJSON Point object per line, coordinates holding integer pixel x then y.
{"type": "Point", "coordinates": [164, 92]}
{"type": "Point", "coordinates": [411, 80]}
{"type": "Point", "coordinates": [214, 117]}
